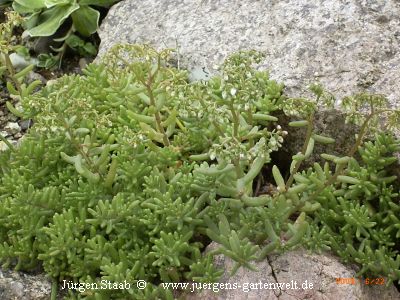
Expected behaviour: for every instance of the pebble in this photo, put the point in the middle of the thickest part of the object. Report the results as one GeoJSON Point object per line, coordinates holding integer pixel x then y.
{"type": "Point", "coordinates": [83, 63]}
{"type": "Point", "coordinates": [4, 133]}
{"type": "Point", "coordinates": [12, 118]}
{"type": "Point", "coordinates": [32, 76]}
{"type": "Point", "coordinates": [25, 124]}
{"type": "Point", "coordinates": [19, 62]}
{"type": "Point", "coordinates": [3, 146]}
{"type": "Point", "coordinates": [12, 128]}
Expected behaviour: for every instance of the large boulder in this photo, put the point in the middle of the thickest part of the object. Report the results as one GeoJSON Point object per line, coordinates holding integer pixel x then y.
{"type": "Point", "coordinates": [348, 45]}
{"type": "Point", "coordinates": [301, 275]}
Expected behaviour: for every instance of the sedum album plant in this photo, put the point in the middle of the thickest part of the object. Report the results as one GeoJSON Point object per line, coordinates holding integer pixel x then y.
{"type": "Point", "coordinates": [130, 171]}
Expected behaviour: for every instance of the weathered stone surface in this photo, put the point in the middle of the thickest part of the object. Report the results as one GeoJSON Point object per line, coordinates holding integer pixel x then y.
{"type": "Point", "coordinates": [19, 286]}
{"type": "Point", "coordinates": [12, 128]}
{"type": "Point", "coordinates": [299, 269]}
{"type": "Point", "coordinates": [346, 45]}
{"type": "Point", "coordinates": [19, 62]}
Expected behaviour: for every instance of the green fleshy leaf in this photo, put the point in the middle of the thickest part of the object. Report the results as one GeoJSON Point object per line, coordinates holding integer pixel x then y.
{"type": "Point", "coordinates": [52, 19]}
{"type": "Point", "coordinates": [86, 20]}
{"type": "Point", "coordinates": [51, 3]}
{"type": "Point", "coordinates": [31, 4]}
{"type": "Point", "coordinates": [74, 41]}
{"type": "Point", "coordinates": [90, 49]}
{"type": "Point", "coordinates": [21, 9]}
{"type": "Point", "coordinates": [32, 20]}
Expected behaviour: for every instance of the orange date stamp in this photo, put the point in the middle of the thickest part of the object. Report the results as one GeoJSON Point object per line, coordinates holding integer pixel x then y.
{"type": "Point", "coordinates": [366, 281]}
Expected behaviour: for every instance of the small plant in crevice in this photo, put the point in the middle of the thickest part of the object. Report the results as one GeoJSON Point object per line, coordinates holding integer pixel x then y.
{"type": "Point", "coordinates": [129, 170]}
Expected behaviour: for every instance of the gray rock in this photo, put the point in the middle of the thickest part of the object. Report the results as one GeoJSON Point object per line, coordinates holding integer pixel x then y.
{"type": "Point", "coordinates": [12, 118]}
{"type": "Point", "coordinates": [25, 124]}
{"type": "Point", "coordinates": [348, 45]}
{"type": "Point", "coordinates": [83, 62]}
{"type": "Point", "coordinates": [4, 133]}
{"type": "Point", "coordinates": [309, 276]}
{"type": "Point", "coordinates": [12, 128]}
{"type": "Point", "coordinates": [19, 62]}
{"type": "Point", "coordinates": [32, 76]}
{"type": "Point", "coordinates": [19, 286]}
{"type": "Point", "coordinates": [3, 146]}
